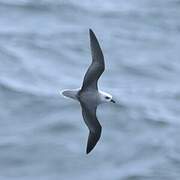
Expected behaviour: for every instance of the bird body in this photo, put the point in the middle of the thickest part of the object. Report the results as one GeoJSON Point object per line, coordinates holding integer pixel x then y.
{"type": "Point", "coordinates": [89, 96]}
{"type": "Point", "coordinates": [97, 97]}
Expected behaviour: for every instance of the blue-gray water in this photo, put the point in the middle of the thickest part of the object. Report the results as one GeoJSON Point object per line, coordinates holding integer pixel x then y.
{"type": "Point", "coordinates": [44, 48]}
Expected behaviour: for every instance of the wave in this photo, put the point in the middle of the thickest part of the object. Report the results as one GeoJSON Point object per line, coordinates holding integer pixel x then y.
{"type": "Point", "coordinates": [41, 5]}
{"type": "Point", "coordinates": [8, 86]}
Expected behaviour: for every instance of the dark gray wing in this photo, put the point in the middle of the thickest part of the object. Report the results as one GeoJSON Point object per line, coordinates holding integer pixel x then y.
{"type": "Point", "coordinates": [97, 66]}
{"type": "Point", "coordinates": [89, 116]}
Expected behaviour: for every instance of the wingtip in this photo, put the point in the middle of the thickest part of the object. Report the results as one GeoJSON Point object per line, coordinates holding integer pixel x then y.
{"type": "Point", "coordinates": [91, 32]}
{"type": "Point", "coordinates": [88, 150]}
{"type": "Point", "coordinates": [90, 146]}
{"type": "Point", "coordinates": [92, 140]}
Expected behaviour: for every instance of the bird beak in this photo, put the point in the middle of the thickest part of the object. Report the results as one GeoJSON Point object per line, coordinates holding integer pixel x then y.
{"type": "Point", "coordinates": [113, 101]}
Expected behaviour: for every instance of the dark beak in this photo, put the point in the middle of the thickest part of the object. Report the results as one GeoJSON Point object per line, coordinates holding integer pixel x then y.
{"type": "Point", "coordinates": [113, 101]}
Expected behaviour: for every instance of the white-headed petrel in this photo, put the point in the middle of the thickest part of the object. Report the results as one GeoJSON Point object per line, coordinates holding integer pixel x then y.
{"type": "Point", "coordinates": [89, 96]}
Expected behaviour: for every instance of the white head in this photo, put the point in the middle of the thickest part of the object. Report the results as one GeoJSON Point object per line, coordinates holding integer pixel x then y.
{"type": "Point", "coordinates": [105, 97]}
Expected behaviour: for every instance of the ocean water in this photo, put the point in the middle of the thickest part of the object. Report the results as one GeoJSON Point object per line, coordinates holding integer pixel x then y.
{"type": "Point", "coordinates": [44, 48]}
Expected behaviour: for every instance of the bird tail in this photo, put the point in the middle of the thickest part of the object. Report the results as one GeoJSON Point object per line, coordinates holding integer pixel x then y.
{"type": "Point", "coordinates": [70, 93]}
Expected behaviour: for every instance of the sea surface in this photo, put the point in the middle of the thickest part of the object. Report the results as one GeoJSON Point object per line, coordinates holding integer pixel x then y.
{"type": "Point", "coordinates": [44, 48]}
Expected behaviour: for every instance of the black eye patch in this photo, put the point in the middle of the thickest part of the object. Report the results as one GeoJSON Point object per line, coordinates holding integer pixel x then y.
{"type": "Point", "coordinates": [107, 97]}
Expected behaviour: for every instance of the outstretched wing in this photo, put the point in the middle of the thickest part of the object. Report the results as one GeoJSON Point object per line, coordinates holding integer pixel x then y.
{"type": "Point", "coordinates": [97, 66]}
{"type": "Point", "coordinates": [89, 116]}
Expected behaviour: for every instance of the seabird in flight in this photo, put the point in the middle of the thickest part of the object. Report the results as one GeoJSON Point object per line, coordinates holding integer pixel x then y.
{"type": "Point", "coordinates": [89, 96]}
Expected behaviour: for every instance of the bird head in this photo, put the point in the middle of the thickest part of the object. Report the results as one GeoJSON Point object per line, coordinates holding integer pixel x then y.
{"type": "Point", "coordinates": [105, 97]}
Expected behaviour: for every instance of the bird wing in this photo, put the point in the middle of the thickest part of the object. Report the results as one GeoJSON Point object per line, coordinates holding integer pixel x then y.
{"type": "Point", "coordinates": [97, 66]}
{"type": "Point", "coordinates": [89, 116]}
